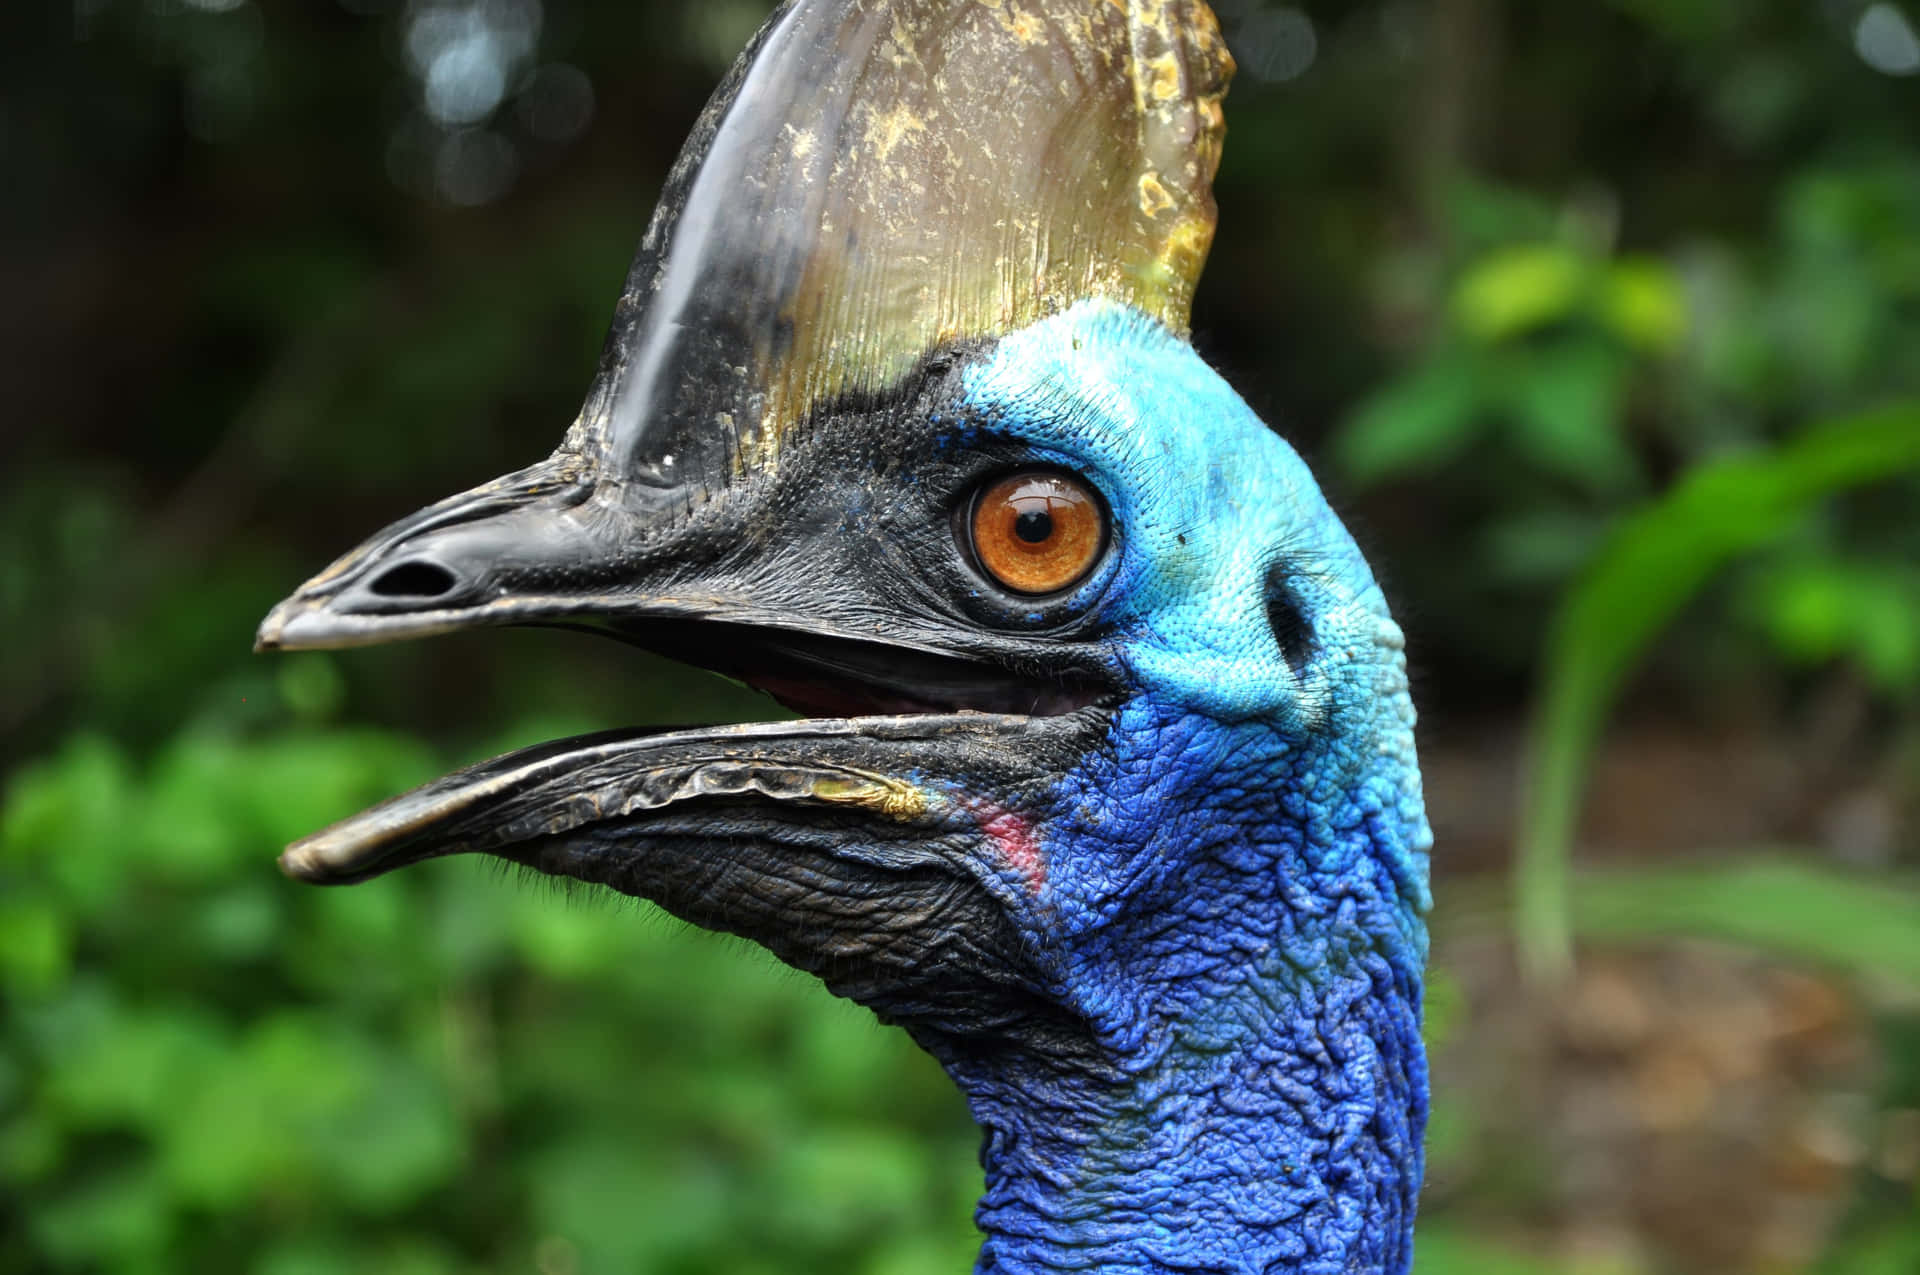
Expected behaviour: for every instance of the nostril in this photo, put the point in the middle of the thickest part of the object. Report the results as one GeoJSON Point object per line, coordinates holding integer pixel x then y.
{"type": "Point", "coordinates": [413, 580]}
{"type": "Point", "coordinates": [1287, 617]}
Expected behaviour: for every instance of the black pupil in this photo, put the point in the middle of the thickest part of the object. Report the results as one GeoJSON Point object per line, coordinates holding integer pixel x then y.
{"type": "Point", "coordinates": [1035, 526]}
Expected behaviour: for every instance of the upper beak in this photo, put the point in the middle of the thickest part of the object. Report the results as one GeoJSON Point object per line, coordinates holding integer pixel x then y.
{"type": "Point", "coordinates": [794, 265]}
{"type": "Point", "coordinates": [554, 545]}
{"type": "Point", "coordinates": [514, 550]}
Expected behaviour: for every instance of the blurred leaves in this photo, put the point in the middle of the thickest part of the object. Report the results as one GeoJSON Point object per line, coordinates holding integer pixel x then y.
{"type": "Point", "coordinates": [1656, 561]}
{"type": "Point", "coordinates": [1451, 1250]}
{"type": "Point", "coordinates": [253, 329]}
{"type": "Point", "coordinates": [286, 1069]}
{"type": "Point", "coordinates": [1863, 926]}
{"type": "Point", "coordinates": [1563, 379]}
{"type": "Point", "coordinates": [1816, 610]}
{"type": "Point", "coordinates": [1518, 290]}
{"type": "Point", "coordinates": [1542, 344]}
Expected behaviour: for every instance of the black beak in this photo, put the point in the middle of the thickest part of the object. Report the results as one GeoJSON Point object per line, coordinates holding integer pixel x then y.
{"type": "Point", "coordinates": [873, 187]}
{"type": "Point", "coordinates": [869, 847]}
{"type": "Point", "coordinates": [478, 558]}
{"type": "Point", "coordinates": [851, 843]}
{"type": "Point", "coordinates": [850, 848]}
{"type": "Point", "coordinates": [874, 192]}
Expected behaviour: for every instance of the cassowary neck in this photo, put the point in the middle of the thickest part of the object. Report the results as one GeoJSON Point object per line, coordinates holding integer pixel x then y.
{"type": "Point", "coordinates": [1283, 1154]}
{"type": "Point", "coordinates": [1260, 1092]}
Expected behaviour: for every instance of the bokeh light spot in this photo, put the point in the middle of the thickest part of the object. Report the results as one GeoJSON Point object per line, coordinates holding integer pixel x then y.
{"type": "Point", "coordinates": [1276, 45]}
{"type": "Point", "coordinates": [467, 55]}
{"type": "Point", "coordinates": [1885, 41]}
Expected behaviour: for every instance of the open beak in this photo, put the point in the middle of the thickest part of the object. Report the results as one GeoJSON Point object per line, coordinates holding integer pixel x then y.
{"type": "Point", "coordinates": [884, 842]}
{"type": "Point", "coordinates": [901, 728]}
{"type": "Point", "coordinates": [874, 192]}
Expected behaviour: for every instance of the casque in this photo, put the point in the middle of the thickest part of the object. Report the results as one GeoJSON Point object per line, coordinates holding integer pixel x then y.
{"type": "Point", "coordinates": [1107, 790]}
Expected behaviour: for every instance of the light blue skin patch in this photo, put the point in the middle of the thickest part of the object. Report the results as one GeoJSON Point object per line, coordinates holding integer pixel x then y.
{"type": "Point", "coordinates": [1205, 498]}
{"type": "Point", "coordinates": [1234, 883]}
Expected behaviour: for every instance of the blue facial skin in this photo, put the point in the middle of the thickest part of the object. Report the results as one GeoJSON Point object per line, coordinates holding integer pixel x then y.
{"type": "Point", "coordinates": [1234, 883]}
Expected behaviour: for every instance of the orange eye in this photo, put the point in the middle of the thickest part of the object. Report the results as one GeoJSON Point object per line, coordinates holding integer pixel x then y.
{"type": "Point", "coordinates": [1037, 532]}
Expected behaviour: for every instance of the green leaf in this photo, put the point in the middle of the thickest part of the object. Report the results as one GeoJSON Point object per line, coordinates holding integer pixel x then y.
{"type": "Point", "coordinates": [627, 1207]}
{"type": "Point", "coordinates": [1818, 610]}
{"type": "Point", "coordinates": [1857, 924]}
{"type": "Point", "coordinates": [244, 922]}
{"type": "Point", "coordinates": [35, 946]}
{"type": "Point", "coordinates": [1641, 302]}
{"type": "Point", "coordinates": [65, 820]}
{"type": "Point", "coordinates": [1520, 289]}
{"type": "Point", "coordinates": [1566, 406]}
{"type": "Point", "coordinates": [112, 1219]}
{"type": "Point", "coordinates": [1881, 1250]}
{"type": "Point", "coordinates": [830, 1186]}
{"type": "Point", "coordinates": [1413, 424]}
{"type": "Point", "coordinates": [335, 1256]}
{"type": "Point", "coordinates": [1655, 562]}
{"type": "Point", "coordinates": [127, 1068]}
{"type": "Point", "coordinates": [560, 938]}
{"type": "Point", "coordinates": [31, 1144]}
{"type": "Point", "coordinates": [399, 1141]}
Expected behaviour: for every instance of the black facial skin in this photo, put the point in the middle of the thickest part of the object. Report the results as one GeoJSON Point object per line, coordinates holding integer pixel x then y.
{"type": "Point", "coordinates": [832, 579]}
{"type": "Point", "coordinates": [715, 502]}
{"type": "Point", "coordinates": [847, 536]}
{"type": "Point", "coordinates": [907, 914]}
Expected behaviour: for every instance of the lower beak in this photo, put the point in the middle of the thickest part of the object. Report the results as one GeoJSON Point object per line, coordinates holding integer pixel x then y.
{"type": "Point", "coordinates": [514, 804]}
{"type": "Point", "coordinates": [891, 846]}
{"type": "Point", "coordinates": [859, 849]}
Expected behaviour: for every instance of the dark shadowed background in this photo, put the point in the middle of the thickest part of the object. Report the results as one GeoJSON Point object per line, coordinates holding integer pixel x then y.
{"type": "Point", "coordinates": [1600, 321]}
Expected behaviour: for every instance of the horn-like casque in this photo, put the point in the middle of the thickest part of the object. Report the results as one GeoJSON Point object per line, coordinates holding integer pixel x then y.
{"type": "Point", "coordinates": [876, 180]}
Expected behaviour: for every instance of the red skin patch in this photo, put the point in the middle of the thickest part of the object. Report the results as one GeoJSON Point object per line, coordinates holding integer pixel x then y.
{"type": "Point", "coordinates": [1018, 850]}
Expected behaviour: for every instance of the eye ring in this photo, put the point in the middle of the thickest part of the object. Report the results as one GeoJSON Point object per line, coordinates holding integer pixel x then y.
{"type": "Point", "coordinates": [1036, 532]}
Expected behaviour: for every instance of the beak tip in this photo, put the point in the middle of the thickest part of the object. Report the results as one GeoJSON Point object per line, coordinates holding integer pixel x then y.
{"type": "Point", "coordinates": [272, 633]}
{"type": "Point", "coordinates": [310, 622]}
{"type": "Point", "coordinates": [307, 863]}
{"type": "Point", "coordinates": [298, 863]}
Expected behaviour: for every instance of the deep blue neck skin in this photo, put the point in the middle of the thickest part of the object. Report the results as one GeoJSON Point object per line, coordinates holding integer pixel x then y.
{"type": "Point", "coordinates": [1234, 882]}
{"type": "Point", "coordinates": [1274, 1093]}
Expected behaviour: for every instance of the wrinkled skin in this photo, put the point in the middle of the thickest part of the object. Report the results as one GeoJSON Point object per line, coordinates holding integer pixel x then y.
{"type": "Point", "coordinates": [1167, 940]}
{"type": "Point", "coordinates": [1141, 862]}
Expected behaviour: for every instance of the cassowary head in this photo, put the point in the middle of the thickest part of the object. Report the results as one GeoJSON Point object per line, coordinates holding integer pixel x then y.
{"type": "Point", "coordinates": [1105, 788]}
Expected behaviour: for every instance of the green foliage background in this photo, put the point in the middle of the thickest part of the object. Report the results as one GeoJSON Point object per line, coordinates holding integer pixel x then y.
{"type": "Point", "coordinates": [1533, 285]}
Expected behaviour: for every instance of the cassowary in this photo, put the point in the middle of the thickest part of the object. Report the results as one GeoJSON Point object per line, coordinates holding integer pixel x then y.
{"type": "Point", "coordinates": [1106, 788]}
